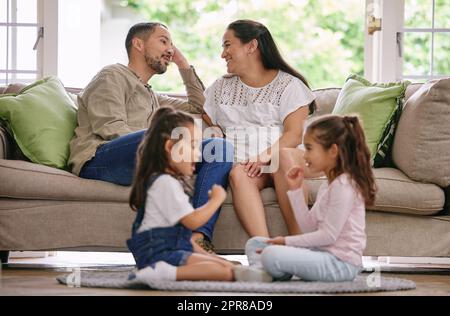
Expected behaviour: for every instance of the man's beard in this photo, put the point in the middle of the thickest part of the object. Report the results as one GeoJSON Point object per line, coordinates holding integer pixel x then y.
{"type": "Point", "coordinates": [155, 64]}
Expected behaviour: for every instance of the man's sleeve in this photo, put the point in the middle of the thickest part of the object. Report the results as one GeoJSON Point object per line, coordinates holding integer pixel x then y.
{"type": "Point", "coordinates": [194, 89]}
{"type": "Point", "coordinates": [105, 103]}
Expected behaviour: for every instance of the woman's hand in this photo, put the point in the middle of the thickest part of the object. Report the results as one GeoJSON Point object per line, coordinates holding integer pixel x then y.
{"type": "Point", "coordinates": [253, 166]}
{"type": "Point", "coordinates": [179, 59]}
{"type": "Point", "coordinates": [294, 177]}
{"type": "Point", "coordinates": [215, 131]}
{"type": "Point", "coordinates": [277, 241]}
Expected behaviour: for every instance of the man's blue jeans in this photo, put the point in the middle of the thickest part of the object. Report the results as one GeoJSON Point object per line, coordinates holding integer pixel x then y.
{"type": "Point", "coordinates": [115, 162]}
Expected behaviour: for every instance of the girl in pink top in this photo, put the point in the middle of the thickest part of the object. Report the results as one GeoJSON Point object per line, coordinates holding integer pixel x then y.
{"type": "Point", "coordinates": [333, 239]}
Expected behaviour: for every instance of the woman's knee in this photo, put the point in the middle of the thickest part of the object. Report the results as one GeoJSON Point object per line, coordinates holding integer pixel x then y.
{"type": "Point", "coordinates": [238, 175]}
{"type": "Point", "coordinates": [288, 158]}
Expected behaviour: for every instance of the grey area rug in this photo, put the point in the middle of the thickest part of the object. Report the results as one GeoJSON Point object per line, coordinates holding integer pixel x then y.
{"type": "Point", "coordinates": [119, 280]}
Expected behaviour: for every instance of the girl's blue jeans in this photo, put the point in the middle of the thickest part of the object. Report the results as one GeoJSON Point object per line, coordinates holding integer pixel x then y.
{"type": "Point", "coordinates": [115, 162]}
{"type": "Point", "coordinates": [283, 262]}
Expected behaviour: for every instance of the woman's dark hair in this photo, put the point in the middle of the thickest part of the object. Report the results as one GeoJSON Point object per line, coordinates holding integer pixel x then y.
{"type": "Point", "coordinates": [248, 30]}
{"type": "Point", "coordinates": [151, 157]}
{"type": "Point", "coordinates": [354, 155]}
{"type": "Point", "coordinates": [142, 31]}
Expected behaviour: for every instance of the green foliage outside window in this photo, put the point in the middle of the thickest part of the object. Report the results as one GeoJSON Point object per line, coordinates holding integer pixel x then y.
{"type": "Point", "coordinates": [417, 59]}
{"type": "Point", "coordinates": [323, 39]}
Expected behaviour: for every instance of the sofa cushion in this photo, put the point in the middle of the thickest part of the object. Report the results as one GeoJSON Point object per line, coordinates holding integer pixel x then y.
{"type": "Point", "coordinates": [4, 141]}
{"type": "Point", "coordinates": [422, 142]}
{"type": "Point", "coordinates": [42, 118]}
{"type": "Point", "coordinates": [25, 180]}
{"type": "Point", "coordinates": [378, 106]}
{"type": "Point", "coordinates": [397, 193]}
{"type": "Point", "coordinates": [8, 147]}
{"type": "Point", "coordinates": [325, 100]}
{"type": "Point", "coordinates": [412, 88]}
{"type": "Point", "coordinates": [14, 88]}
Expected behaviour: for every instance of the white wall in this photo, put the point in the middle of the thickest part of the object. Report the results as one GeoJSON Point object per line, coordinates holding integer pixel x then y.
{"type": "Point", "coordinates": [382, 63]}
{"type": "Point", "coordinates": [83, 36]}
{"type": "Point", "coordinates": [115, 23]}
{"type": "Point", "coordinates": [79, 44]}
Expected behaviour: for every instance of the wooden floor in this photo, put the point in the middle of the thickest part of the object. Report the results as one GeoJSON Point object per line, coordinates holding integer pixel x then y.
{"type": "Point", "coordinates": [43, 282]}
{"type": "Point", "coordinates": [36, 280]}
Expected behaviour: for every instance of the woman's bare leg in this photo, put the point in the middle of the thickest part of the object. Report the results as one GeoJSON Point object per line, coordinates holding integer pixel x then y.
{"type": "Point", "coordinates": [288, 158]}
{"type": "Point", "coordinates": [247, 200]}
{"type": "Point", "coordinates": [203, 267]}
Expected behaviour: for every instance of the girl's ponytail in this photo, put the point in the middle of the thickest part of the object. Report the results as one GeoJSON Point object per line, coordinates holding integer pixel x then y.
{"type": "Point", "coordinates": [361, 168]}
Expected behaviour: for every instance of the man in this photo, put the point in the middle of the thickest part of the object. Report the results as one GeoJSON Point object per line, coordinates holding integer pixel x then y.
{"type": "Point", "coordinates": [117, 106]}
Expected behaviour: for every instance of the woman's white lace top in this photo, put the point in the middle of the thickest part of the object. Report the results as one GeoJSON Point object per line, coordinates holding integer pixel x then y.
{"type": "Point", "coordinates": [252, 118]}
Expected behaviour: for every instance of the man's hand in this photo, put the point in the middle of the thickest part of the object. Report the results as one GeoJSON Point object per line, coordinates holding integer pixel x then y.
{"type": "Point", "coordinates": [179, 59]}
{"type": "Point", "coordinates": [294, 177]}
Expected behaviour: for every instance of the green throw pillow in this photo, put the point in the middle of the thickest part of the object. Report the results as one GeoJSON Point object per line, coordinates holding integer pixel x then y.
{"type": "Point", "coordinates": [42, 119]}
{"type": "Point", "coordinates": [379, 107]}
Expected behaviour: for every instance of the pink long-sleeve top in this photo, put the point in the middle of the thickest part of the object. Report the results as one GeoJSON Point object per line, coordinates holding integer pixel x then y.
{"type": "Point", "coordinates": [335, 223]}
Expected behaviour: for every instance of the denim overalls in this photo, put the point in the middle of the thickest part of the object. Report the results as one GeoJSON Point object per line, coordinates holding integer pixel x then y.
{"type": "Point", "coordinates": [169, 244]}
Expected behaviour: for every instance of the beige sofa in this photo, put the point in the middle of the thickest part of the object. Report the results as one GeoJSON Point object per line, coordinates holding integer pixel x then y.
{"type": "Point", "coordinates": [42, 208]}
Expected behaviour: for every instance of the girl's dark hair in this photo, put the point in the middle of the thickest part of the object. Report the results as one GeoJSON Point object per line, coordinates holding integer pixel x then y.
{"type": "Point", "coordinates": [151, 157]}
{"type": "Point", "coordinates": [248, 30]}
{"type": "Point", "coordinates": [354, 155]}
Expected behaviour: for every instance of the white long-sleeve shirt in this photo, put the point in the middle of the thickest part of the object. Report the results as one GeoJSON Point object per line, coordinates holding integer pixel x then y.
{"type": "Point", "coordinates": [335, 223]}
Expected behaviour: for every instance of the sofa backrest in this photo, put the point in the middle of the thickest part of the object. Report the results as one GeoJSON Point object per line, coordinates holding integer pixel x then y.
{"type": "Point", "coordinates": [325, 100]}
{"type": "Point", "coordinates": [16, 87]}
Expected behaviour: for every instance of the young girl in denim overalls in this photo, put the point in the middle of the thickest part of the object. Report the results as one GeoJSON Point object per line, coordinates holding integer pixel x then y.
{"type": "Point", "coordinates": [333, 239]}
{"type": "Point", "coordinates": [161, 233]}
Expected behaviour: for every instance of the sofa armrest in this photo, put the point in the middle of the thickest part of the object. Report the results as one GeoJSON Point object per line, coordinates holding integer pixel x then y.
{"type": "Point", "coordinates": [4, 142]}
{"type": "Point", "coordinates": [446, 210]}
{"type": "Point", "coordinates": [8, 146]}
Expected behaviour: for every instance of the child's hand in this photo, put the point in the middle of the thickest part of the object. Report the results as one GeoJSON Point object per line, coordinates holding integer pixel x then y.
{"type": "Point", "coordinates": [277, 241]}
{"type": "Point", "coordinates": [217, 194]}
{"type": "Point", "coordinates": [294, 177]}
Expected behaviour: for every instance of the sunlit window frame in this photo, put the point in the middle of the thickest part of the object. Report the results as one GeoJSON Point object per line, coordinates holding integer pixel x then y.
{"type": "Point", "coordinates": [433, 31]}
{"type": "Point", "coordinates": [11, 50]}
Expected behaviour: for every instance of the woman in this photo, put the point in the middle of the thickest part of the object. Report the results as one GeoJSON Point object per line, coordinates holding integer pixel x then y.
{"type": "Point", "coordinates": [260, 94]}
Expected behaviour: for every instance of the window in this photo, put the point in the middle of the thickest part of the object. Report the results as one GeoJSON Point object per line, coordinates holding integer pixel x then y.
{"type": "Point", "coordinates": [413, 47]}
{"type": "Point", "coordinates": [18, 33]}
{"type": "Point", "coordinates": [322, 39]}
{"type": "Point", "coordinates": [426, 39]}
